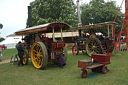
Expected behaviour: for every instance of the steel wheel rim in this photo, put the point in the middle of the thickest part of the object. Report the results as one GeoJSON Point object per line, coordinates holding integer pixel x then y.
{"type": "Point", "coordinates": [92, 47]}
{"type": "Point", "coordinates": [37, 55]}
{"type": "Point", "coordinates": [74, 50]}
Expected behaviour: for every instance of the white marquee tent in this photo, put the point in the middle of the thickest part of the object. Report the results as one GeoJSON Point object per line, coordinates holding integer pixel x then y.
{"type": "Point", "coordinates": [11, 41]}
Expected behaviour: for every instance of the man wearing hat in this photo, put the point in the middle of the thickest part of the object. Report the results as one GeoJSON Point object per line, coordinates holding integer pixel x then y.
{"type": "Point", "coordinates": [20, 49]}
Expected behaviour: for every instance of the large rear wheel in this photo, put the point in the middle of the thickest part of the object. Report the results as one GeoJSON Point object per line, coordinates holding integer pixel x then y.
{"type": "Point", "coordinates": [39, 55]}
{"type": "Point", "coordinates": [93, 46]}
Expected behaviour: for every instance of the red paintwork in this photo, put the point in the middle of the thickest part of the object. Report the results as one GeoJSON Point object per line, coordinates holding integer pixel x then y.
{"type": "Point", "coordinates": [84, 63]}
{"type": "Point", "coordinates": [74, 50]}
{"type": "Point", "coordinates": [124, 40]}
{"type": "Point", "coordinates": [126, 21]}
{"type": "Point", "coordinates": [94, 65]}
{"type": "Point", "coordinates": [2, 47]}
{"type": "Point", "coordinates": [126, 27]}
{"type": "Point", "coordinates": [29, 53]}
{"type": "Point", "coordinates": [82, 46]}
{"type": "Point", "coordinates": [60, 45]}
{"type": "Point", "coordinates": [53, 47]}
{"type": "Point", "coordinates": [101, 58]}
{"type": "Point", "coordinates": [110, 54]}
{"type": "Point", "coordinates": [114, 42]}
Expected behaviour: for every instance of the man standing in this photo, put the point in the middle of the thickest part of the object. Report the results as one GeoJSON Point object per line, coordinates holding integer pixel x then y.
{"type": "Point", "coordinates": [20, 49]}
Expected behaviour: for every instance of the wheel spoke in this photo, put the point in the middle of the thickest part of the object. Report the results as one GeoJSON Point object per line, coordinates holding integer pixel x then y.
{"type": "Point", "coordinates": [37, 48]}
{"type": "Point", "coordinates": [35, 55]}
{"type": "Point", "coordinates": [95, 50]}
{"type": "Point", "coordinates": [41, 55]}
{"type": "Point", "coordinates": [34, 51]}
{"type": "Point", "coordinates": [39, 61]}
{"type": "Point", "coordinates": [35, 58]}
{"type": "Point", "coordinates": [89, 45]}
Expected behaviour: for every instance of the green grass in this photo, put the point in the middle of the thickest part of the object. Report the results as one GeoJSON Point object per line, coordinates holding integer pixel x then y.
{"type": "Point", "coordinates": [69, 49]}
{"type": "Point", "coordinates": [7, 53]}
{"type": "Point", "coordinates": [69, 75]}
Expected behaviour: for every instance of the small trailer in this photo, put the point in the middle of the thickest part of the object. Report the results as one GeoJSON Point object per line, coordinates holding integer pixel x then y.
{"type": "Point", "coordinates": [99, 64]}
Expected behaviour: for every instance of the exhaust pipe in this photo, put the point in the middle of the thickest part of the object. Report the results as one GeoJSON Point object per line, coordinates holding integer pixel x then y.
{"type": "Point", "coordinates": [29, 17]}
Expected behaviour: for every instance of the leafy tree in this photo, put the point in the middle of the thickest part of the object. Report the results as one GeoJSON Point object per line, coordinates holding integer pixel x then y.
{"type": "Point", "coordinates": [98, 11]}
{"type": "Point", "coordinates": [1, 39]}
{"type": "Point", "coordinates": [47, 11]}
{"type": "Point", "coordinates": [1, 26]}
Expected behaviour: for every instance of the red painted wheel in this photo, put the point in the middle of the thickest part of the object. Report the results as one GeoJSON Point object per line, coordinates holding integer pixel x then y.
{"type": "Point", "coordinates": [75, 50]}
{"type": "Point", "coordinates": [104, 69]}
{"type": "Point", "coordinates": [84, 74]}
{"type": "Point", "coordinates": [84, 51]}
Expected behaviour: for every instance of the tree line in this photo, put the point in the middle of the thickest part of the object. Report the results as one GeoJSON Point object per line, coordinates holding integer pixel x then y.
{"type": "Point", "coordinates": [96, 11]}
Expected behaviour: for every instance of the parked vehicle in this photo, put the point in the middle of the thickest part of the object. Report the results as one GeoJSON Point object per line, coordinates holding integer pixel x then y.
{"type": "Point", "coordinates": [41, 48]}
{"type": "Point", "coordinates": [94, 44]}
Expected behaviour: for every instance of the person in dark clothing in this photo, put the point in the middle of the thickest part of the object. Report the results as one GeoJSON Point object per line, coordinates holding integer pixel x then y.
{"type": "Point", "coordinates": [61, 61]}
{"type": "Point", "coordinates": [20, 49]}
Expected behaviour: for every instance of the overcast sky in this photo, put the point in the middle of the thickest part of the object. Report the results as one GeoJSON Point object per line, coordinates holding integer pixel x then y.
{"type": "Point", "coordinates": [13, 15]}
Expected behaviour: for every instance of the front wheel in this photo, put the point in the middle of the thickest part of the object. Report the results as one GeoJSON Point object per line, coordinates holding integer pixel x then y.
{"type": "Point", "coordinates": [84, 74]}
{"type": "Point", "coordinates": [75, 50]}
{"type": "Point", "coordinates": [104, 69]}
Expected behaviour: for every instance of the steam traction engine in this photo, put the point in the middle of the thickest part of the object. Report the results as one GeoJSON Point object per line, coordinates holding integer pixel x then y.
{"type": "Point", "coordinates": [93, 43]}
{"type": "Point", "coordinates": [40, 47]}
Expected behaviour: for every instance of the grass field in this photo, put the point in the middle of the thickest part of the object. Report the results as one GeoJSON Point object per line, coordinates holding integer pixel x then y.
{"type": "Point", "coordinates": [69, 75]}
{"type": "Point", "coordinates": [8, 53]}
